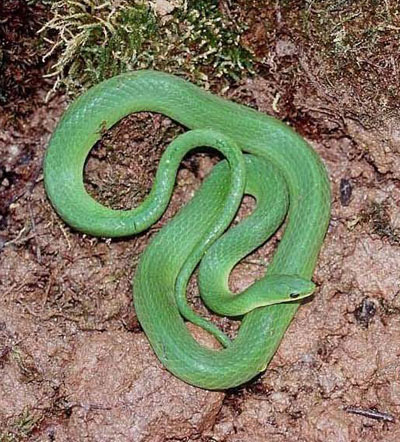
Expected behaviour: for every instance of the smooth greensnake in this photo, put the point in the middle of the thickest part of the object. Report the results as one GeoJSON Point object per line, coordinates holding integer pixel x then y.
{"type": "Point", "coordinates": [264, 158]}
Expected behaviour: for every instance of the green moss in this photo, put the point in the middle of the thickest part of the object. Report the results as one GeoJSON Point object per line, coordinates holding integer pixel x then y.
{"type": "Point", "coordinates": [93, 40]}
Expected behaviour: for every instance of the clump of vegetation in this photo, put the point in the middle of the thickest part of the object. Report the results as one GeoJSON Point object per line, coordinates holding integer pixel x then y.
{"type": "Point", "coordinates": [211, 42]}
{"type": "Point", "coordinates": [360, 40]}
{"type": "Point", "coordinates": [346, 27]}
{"type": "Point", "coordinates": [350, 47]}
{"type": "Point", "coordinates": [95, 39]}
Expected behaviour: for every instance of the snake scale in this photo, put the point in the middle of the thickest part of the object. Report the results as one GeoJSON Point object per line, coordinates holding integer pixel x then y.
{"type": "Point", "coordinates": [263, 158]}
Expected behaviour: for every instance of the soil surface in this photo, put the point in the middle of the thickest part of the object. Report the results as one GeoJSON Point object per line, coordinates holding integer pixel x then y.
{"type": "Point", "coordinates": [74, 363]}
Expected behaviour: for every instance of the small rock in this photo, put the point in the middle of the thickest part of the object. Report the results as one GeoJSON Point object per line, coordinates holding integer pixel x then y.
{"type": "Point", "coordinates": [285, 48]}
{"type": "Point", "coordinates": [165, 7]}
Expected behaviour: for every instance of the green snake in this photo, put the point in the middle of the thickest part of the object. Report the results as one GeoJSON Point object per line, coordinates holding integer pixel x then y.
{"type": "Point", "coordinates": [263, 158]}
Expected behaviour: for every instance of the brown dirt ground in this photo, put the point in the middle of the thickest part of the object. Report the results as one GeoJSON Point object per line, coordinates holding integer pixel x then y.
{"type": "Point", "coordinates": [74, 364]}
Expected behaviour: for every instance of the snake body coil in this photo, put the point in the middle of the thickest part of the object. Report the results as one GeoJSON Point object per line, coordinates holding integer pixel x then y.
{"type": "Point", "coordinates": [279, 168]}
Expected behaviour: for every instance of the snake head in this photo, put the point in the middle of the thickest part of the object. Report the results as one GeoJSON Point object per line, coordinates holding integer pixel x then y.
{"type": "Point", "coordinates": [285, 288]}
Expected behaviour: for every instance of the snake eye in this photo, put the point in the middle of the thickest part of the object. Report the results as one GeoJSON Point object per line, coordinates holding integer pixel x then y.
{"type": "Point", "coordinates": [294, 295]}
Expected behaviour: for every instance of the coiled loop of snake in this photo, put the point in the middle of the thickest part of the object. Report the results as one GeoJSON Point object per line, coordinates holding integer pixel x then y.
{"type": "Point", "coordinates": [279, 168]}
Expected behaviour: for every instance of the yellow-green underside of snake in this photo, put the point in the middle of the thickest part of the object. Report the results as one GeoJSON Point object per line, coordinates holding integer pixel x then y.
{"type": "Point", "coordinates": [263, 158]}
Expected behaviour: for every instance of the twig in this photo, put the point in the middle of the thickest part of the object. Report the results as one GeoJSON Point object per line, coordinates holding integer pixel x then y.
{"type": "Point", "coordinates": [371, 413]}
